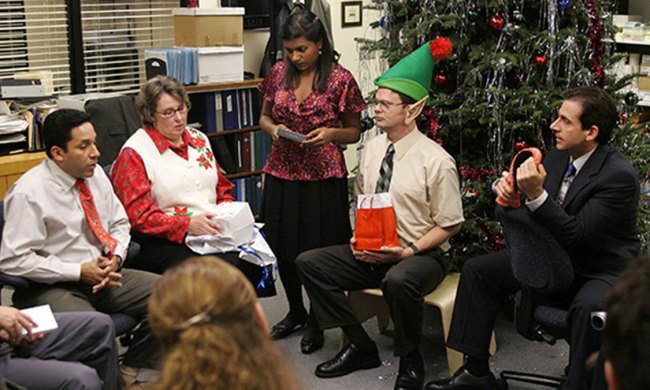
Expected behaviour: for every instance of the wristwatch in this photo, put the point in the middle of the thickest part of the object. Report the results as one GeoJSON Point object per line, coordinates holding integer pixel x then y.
{"type": "Point", "coordinates": [415, 249]}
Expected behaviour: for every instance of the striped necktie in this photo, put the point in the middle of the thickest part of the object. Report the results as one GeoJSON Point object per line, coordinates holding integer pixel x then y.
{"type": "Point", "coordinates": [386, 171]}
{"type": "Point", "coordinates": [566, 182]}
{"type": "Point", "coordinates": [92, 216]}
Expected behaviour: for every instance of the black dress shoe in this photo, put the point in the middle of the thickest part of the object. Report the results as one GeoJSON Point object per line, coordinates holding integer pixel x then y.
{"type": "Point", "coordinates": [462, 380]}
{"type": "Point", "coordinates": [285, 327]}
{"type": "Point", "coordinates": [349, 359]}
{"type": "Point", "coordinates": [411, 373]}
{"type": "Point", "coordinates": [311, 344]}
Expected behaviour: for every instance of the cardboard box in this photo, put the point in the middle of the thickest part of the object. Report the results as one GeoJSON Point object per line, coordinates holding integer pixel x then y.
{"type": "Point", "coordinates": [201, 27]}
{"type": "Point", "coordinates": [237, 221]}
{"type": "Point", "coordinates": [644, 84]}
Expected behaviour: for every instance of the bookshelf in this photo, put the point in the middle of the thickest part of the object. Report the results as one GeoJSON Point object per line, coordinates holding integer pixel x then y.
{"type": "Point", "coordinates": [229, 115]}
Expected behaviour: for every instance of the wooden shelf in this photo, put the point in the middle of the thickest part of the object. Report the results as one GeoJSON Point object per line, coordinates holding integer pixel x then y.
{"type": "Point", "coordinates": [244, 174]}
{"type": "Point", "coordinates": [211, 87]}
{"type": "Point", "coordinates": [625, 45]}
{"type": "Point", "coordinates": [14, 165]}
{"type": "Point", "coordinates": [236, 131]}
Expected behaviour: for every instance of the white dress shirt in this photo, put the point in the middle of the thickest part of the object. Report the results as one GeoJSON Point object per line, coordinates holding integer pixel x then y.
{"type": "Point", "coordinates": [46, 237]}
{"type": "Point", "coordinates": [578, 163]}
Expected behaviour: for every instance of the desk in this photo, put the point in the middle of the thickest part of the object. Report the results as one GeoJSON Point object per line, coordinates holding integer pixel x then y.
{"type": "Point", "coordinates": [13, 166]}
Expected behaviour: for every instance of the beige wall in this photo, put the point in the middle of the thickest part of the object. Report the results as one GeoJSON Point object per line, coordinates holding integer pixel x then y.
{"type": "Point", "coordinates": [254, 44]}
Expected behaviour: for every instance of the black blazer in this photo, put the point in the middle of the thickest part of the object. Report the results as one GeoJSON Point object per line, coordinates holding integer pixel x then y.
{"type": "Point", "coordinates": [597, 222]}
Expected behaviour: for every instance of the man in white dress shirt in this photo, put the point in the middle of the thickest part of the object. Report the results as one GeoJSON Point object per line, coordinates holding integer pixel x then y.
{"type": "Point", "coordinates": [72, 247]}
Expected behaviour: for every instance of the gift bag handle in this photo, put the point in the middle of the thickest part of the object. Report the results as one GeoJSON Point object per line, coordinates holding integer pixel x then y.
{"type": "Point", "coordinates": [367, 215]}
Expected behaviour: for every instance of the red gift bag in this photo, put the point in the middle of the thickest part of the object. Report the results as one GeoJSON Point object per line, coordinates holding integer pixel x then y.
{"type": "Point", "coordinates": [375, 225]}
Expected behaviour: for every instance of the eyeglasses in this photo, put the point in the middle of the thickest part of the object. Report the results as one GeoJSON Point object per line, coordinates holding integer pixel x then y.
{"type": "Point", "coordinates": [384, 105]}
{"type": "Point", "coordinates": [173, 111]}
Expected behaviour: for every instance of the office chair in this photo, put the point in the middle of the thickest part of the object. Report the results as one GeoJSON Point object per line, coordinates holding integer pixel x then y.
{"type": "Point", "coordinates": [543, 267]}
{"type": "Point", "coordinates": [123, 322]}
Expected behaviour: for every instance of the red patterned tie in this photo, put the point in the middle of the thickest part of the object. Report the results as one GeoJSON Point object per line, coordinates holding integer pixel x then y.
{"type": "Point", "coordinates": [92, 217]}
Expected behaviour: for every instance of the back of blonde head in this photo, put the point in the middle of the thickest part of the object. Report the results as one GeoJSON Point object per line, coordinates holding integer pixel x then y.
{"type": "Point", "coordinates": [229, 349]}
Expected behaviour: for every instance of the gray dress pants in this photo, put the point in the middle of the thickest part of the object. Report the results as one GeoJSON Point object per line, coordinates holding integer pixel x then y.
{"type": "Point", "coordinates": [80, 354]}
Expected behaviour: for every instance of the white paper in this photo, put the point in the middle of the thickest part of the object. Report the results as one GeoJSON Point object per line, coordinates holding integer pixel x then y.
{"type": "Point", "coordinates": [43, 317]}
{"type": "Point", "coordinates": [256, 251]}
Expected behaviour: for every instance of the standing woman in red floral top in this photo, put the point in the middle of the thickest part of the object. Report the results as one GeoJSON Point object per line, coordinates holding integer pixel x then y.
{"type": "Point", "coordinates": [168, 180]}
{"type": "Point", "coordinates": [305, 193]}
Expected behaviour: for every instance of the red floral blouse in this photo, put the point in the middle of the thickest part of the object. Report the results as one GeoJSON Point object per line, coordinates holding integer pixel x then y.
{"type": "Point", "coordinates": [133, 188]}
{"type": "Point", "coordinates": [292, 161]}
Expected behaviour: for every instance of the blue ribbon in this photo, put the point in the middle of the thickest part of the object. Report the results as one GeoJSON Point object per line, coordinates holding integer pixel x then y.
{"type": "Point", "coordinates": [266, 280]}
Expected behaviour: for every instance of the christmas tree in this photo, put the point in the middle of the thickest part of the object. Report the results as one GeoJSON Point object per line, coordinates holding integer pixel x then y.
{"type": "Point", "coordinates": [502, 87]}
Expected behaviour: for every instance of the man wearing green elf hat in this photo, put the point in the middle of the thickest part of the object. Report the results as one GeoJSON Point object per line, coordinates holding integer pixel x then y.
{"type": "Point", "coordinates": [421, 180]}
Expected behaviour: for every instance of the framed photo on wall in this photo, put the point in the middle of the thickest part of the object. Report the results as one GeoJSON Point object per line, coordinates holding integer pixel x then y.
{"type": "Point", "coordinates": [351, 13]}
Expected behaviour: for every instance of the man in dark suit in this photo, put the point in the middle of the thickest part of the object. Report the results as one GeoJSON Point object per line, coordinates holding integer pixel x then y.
{"type": "Point", "coordinates": [588, 201]}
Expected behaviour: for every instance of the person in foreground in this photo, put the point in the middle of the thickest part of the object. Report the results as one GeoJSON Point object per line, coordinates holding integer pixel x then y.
{"type": "Point", "coordinates": [169, 181]}
{"type": "Point", "coordinates": [80, 354]}
{"type": "Point", "coordinates": [214, 331]}
{"type": "Point", "coordinates": [66, 231]}
{"type": "Point", "coordinates": [305, 188]}
{"type": "Point", "coordinates": [586, 194]}
{"type": "Point", "coordinates": [627, 329]}
{"type": "Point", "coordinates": [425, 193]}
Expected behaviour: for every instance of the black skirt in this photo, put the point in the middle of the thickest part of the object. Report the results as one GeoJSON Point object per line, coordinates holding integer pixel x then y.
{"type": "Point", "coordinates": [303, 215]}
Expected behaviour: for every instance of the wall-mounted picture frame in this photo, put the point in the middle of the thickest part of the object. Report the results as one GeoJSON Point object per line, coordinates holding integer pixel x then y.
{"type": "Point", "coordinates": [351, 13]}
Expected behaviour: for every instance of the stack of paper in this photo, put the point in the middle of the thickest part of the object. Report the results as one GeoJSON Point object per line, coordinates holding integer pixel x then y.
{"type": "Point", "coordinates": [13, 127]}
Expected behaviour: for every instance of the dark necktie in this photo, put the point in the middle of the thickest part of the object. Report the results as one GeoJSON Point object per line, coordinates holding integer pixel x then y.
{"type": "Point", "coordinates": [92, 216]}
{"type": "Point", "coordinates": [386, 171]}
{"type": "Point", "coordinates": [566, 182]}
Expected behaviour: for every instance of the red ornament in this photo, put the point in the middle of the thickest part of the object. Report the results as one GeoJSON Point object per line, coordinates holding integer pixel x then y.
{"type": "Point", "coordinates": [520, 146]}
{"type": "Point", "coordinates": [440, 79]}
{"type": "Point", "coordinates": [540, 60]}
{"type": "Point", "coordinates": [497, 22]}
{"type": "Point", "coordinates": [622, 118]}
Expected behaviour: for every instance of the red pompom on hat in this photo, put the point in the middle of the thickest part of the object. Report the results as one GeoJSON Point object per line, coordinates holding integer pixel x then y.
{"type": "Point", "coordinates": [441, 48]}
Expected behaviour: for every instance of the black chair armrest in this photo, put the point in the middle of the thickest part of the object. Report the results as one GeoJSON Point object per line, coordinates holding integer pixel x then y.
{"type": "Point", "coordinates": [14, 281]}
{"type": "Point", "coordinates": [133, 250]}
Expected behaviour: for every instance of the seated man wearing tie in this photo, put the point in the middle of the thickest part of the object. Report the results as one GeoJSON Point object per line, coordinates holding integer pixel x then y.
{"type": "Point", "coordinates": [586, 194]}
{"type": "Point", "coordinates": [422, 181]}
{"type": "Point", "coordinates": [67, 232]}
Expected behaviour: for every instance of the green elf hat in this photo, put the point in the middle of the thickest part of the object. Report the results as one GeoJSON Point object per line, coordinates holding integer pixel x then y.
{"type": "Point", "coordinates": [411, 76]}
